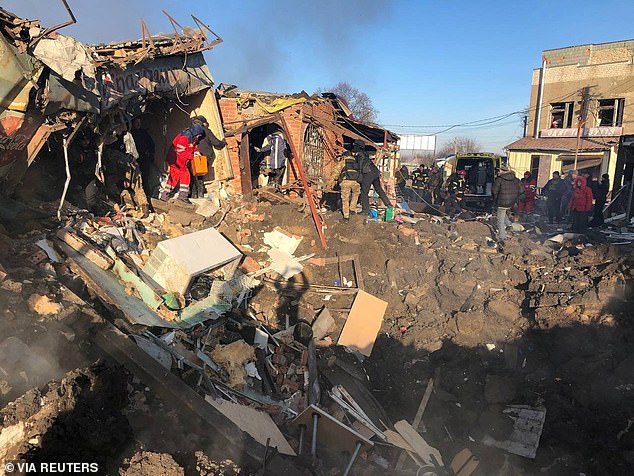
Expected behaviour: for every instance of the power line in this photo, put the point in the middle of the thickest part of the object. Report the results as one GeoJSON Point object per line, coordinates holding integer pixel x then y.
{"type": "Point", "coordinates": [465, 124]}
{"type": "Point", "coordinates": [479, 122]}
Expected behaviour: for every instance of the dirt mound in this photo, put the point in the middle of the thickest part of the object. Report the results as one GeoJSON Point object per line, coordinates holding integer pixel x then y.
{"type": "Point", "coordinates": [146, 463]}
{"type": "Point", "coordinates": [77, 419]}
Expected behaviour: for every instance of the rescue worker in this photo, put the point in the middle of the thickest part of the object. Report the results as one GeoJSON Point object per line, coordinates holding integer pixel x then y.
{"type": "Point", "coordinates": [370, 177]}
{"type": "Point", "coordinates": [554, 191]}
{"type": "Point", "coordinates": [347, 174]}
{"type": "Point", "coordinates": [506, 191]}
{"type": "Point", "coordinates": [420, 183]}
{"type": "Point", "coordinates": [435, 184]}
{"type": "Point", "coordinates": [206, 145]}
{"type": "Point", "coordinates": [402, 176]}
{"type": "Point", "coordinates": [456, 186]}
{"type": "Point", "coordinates": [180, 154]}
{"type": "Point", "coordinates": [580, 204]}
{"type": "Point", "coordinates": [527, 200]}
{"type": "Point", "coordinates": [277, 147]}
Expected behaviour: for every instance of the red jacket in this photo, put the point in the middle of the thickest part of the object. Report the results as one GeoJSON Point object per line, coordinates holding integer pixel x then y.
{"type": "Point", "coordinates": [530, 188]}
{"type": "Point", "coordinates": [581, 200]}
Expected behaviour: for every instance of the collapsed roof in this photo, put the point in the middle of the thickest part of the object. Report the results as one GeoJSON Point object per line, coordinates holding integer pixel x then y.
{"type": "Point", "coordinates": [51, 81]}
{"type": "Point", "coordinates": [267, 103]}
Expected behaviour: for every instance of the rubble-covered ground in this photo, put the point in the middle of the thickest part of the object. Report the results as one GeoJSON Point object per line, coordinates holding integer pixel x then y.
{"type": "Point", "coordinates": [539, 323]}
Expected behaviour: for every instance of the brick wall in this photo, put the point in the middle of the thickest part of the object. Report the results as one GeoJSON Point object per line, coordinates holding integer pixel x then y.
{"type": "Point", "coordinates": [229, 115]}
{"type": "Point", "coordinates": [297, 118]}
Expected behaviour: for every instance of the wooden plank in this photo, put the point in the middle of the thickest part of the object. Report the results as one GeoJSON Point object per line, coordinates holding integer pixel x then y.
{"type": "Point", "coordinates": [177, 395]}
{"type": "Point", "coordinates": [423, 404]}
{"type": "Point", "coordinates": [331, 431]}
{"type": "Point", "coordinates": [464, 463]}
{"type": "Point", "coordinates": [358, 273]}
{"type": "Point", "coordinates": [82, 246]}
{"type": "Point", "coordinates": [429, 454]}
{"type": "Point", "coordinates": [417, 418]}
{"type": "Point", "coordinates": [254, 422]}
{"type": "Point", "coordinates": [363, 323]}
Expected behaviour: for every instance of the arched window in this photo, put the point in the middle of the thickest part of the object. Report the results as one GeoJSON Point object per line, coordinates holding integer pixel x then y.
{"type": "Point", "coordinates": [313, 152]}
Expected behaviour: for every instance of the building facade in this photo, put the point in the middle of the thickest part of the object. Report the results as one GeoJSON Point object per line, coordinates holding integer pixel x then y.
{"type": "Point", "coordinates": [581, 114]}
{"type": "Point", "coordinates": [317, 129]}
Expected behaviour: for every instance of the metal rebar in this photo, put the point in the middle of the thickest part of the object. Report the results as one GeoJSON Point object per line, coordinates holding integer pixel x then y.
{"type": "Point", "coordinates": [313, 448]}
{"type": "Point", "coordinates": [355, 453]}
{"type": "Point", "coordinates": [302, 431]}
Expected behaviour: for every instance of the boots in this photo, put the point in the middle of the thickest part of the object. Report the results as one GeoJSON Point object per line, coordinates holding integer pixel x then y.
{"type": "Point", "coordinates": [183, 194]}
{"type": "Point", "coordinates": [165, 192]}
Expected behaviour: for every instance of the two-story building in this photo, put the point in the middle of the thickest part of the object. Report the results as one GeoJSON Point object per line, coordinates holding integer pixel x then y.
{"type": "Point", "coordinates": [581, 114]}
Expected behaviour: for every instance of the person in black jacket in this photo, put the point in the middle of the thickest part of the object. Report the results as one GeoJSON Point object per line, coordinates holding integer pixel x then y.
{"type": "Point", "coordinates": [600, 197]}
{"type": "Point", "coordinates": [554, 190]}
{"type": "Point", "coordinates": [206, 146]}
{"type": "Point", "coordinates": [402, 175]}
{"type": "Point", "coordinates": [145, 147]}
{"type": "Point", "coordinates": [456, 187]}
{"type": "Point", "coordinates": [370, 177]}
{"type": "Point", "coordinates": [506, 191]}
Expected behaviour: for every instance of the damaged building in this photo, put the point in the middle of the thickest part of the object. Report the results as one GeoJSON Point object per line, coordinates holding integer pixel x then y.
{"type": "Point", "coordinates": [72, 104]}
{"type": "Point", "coordinates": [579, 114]}
{"type": "Point", "coordinates": [220, 337]}
{"type": "Point", "coordinates": [318, 129]}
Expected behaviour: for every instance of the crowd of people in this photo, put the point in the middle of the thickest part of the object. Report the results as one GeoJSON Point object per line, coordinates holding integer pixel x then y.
{"type": "Point", "coordinates": [576, 200]}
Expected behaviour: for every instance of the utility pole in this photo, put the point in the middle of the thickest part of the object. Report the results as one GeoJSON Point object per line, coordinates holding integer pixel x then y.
{"type": "Point", "coordinates": [525, 124]}
{"type": "Point", "coordinates": [583, 92]}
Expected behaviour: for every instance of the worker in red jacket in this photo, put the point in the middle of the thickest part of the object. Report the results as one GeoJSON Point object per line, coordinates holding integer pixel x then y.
{"type": "Point", "coordinates": [580, 204]}
{"type": "Point", "coordinates": [181, 153]}
{"type": "Point", "coordinates": [527, 200]}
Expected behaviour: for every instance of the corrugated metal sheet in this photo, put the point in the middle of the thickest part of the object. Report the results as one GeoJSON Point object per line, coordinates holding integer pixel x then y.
{"type": "Point", "coordinates": [168, 76]}
{"type": "Point", "coordinates": [16, 68]}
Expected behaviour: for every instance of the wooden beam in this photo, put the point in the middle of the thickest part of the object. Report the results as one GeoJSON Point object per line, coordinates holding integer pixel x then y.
{"type": "Point", "coordinates": [82, 246]}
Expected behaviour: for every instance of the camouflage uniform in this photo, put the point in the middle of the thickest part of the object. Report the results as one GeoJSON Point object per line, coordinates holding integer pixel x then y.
{"type": "Point", "coordinates": [348, 175]}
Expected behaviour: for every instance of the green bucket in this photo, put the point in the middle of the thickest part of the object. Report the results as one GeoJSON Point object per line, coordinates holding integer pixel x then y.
{"type": "Point", "coordinates": [389, 214]}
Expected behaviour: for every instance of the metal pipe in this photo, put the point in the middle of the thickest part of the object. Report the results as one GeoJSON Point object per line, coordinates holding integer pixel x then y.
{"type": "Point", "coordinates": [355, 453]}
{"type": "Point", "coordinates": [61, 201]}
{"type": "Point", "coordinates": [313, 448]}
{"type": "Point", "coordinates": [542, 80]}
{"type": "Point", "coordinates": [51, 29]}
{"type": "Point", "coordinates": [302, 431]}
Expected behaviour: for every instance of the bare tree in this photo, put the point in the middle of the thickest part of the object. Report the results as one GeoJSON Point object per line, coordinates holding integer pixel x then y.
{"type": "Point", "coordinates": [459, 145]}
{"type": "Point", "coordinates": [360, 104]}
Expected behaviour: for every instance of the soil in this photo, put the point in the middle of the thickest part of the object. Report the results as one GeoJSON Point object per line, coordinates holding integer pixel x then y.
{"type": "Point", "coordinates": [536, 323]}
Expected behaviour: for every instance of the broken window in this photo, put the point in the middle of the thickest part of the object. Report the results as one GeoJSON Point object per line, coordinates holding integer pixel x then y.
{"type": "Point", "coordinates": [561, 114]}
{"type": "Point", "coordinates": [313, 152]}
{"type": "Point", "coordinates": [610, 112]}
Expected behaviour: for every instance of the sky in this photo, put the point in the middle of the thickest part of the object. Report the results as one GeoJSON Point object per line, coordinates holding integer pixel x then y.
{"type": "Point", "coordinates": [426, 65]}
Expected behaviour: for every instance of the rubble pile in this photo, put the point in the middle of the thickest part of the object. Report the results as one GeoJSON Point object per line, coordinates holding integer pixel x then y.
{"type": "Point", "coordinates": [408, 336]}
